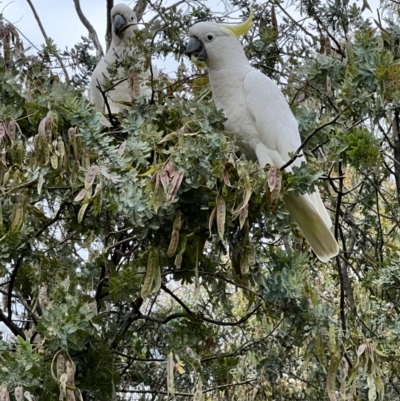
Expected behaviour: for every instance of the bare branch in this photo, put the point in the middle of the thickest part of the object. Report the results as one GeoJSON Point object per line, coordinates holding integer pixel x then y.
{"type": "Point", "coordinates": [57, 56]}
{"type": "Point", "coordinates": [92, 33]}
{"type": "Point", "coordinates": [110, 5]}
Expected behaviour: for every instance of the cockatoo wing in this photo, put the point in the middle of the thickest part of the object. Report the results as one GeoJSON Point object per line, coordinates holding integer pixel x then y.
{"type": "Point", "coordinates": [278, 136]}
{"type": "Point", "coordinates": [97, 79]}
{"type": "Point", "coordinates": [276, 124]}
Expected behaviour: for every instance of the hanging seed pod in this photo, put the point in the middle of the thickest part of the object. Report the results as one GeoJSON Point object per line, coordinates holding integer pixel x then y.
{"type": "Point", "coordinates": [243, 216]}
{"type": "Point", "coordinates": [71, 380]}
{"type": "Point", "coordinates": [134, 82]}
{"type": "Point", "coordinates": [322, 42]}
{"type": "Point", "coordinates": [211, 220]}
{"type": "Point", "coordinates": [60, 367]}
{"type": "Point", "coordinates": [11, 130]}
{"type": "Point", "coordinates": [170, 374]}
{"type": "Point", "coordinates": [17, 217]}
{"type": "Point", "coordinates": [328, 86]}
{"type": "Point", "coordinates": [328, 46]}
{"type": "Point", "coordinates": [152, 265]}
{"type": "Point", "coordinates": [221, 215]}
{"type": "Point", "coordinates": [91, 175]}
{"type": "Point", "coordinates": [70, 369]}
{"type": "Point", "coordinates": [19, 393]}
{"type": "Point", "coordinates": [63, 386]}
{"type": "Point", "coordinates": [54, 161]}
{"type": "Point", "coordinates": [176, 226]}
{"type": "Point", "coordinates": [60, 149]}
{"type": "Point", "coordinates": [174, 186]}
{"type": "Point", "coordinates": [45, 128]}
{"type": "Point", "coordinates": [275, 185]}
{"type": "Point", "coordinates": [43, 298]}
{"type": "Point", "coordinates": [2, 132]}
{"type": "Point", "coordinates": [4, 394]}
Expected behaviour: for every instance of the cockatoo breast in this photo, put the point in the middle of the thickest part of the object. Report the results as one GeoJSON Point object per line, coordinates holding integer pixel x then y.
{"type": "Point", "coordinates": [229, 95]}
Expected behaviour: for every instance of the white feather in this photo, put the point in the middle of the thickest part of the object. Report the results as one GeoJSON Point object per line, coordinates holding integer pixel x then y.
{"type": "Point", "coordinates": [120, 47]}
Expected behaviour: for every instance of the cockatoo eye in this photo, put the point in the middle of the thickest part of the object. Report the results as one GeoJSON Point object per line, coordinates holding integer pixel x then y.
{"type": "Point", "coordinates": [210, 37]}
{"type": "Point", "coordinates": [132, 18]}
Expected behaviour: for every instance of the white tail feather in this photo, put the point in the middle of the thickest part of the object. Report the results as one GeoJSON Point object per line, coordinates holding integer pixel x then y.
{"type": "Point", "coordinates": [314, 223]}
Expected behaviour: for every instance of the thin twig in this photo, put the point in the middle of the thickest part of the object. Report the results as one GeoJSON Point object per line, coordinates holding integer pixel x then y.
{"type": "Point", "coordinates": [57, 56]}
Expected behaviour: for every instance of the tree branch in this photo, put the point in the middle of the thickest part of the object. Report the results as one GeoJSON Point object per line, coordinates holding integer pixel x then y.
{"type": "Point", "coordinates": [57, 56]}
{"type": "Point", "coordinates": [92, 33]}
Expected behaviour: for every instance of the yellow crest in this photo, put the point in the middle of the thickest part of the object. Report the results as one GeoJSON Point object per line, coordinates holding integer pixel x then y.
{"type": "Point", "coordinates": [240, 29]}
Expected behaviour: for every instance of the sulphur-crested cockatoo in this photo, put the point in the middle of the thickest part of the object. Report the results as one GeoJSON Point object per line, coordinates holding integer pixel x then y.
{"type": "Point", "coordinates": [129, 85]}
{"type": "Point", "coordinates": [259, 117]}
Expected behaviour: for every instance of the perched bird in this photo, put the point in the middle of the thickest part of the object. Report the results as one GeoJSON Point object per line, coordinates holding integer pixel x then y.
{"type": "Point", "coordinates": [260, 118]}
{"type": "Point", "coordinates": [129, 85]}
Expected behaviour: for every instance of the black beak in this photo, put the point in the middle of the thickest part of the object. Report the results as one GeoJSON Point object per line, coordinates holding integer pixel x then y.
{"type": "Point", "coordinates": [119, 23]}
{"type": "Point", "coordinates": [196, 48]}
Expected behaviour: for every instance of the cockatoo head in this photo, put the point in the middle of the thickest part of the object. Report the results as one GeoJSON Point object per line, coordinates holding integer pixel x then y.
{"type": "Point", "coordinates": [209, 41]}
{"type": "Point", "coordinates": [124, 21]}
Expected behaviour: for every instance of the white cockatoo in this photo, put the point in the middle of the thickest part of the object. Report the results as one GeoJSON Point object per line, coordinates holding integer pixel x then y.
{"type": "Point", "coordinates": [260, 118]}
{"type": "Point", "coordinates": [129, 85]}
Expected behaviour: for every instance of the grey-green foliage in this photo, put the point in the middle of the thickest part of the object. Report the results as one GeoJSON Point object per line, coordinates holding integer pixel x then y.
{"type": "Point", "coordinates": [84, 208]}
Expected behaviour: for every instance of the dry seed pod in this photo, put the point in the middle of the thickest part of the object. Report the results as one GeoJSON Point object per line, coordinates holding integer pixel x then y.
{"type": "Point", "coordinates": [91, 175]}
{"type": "Point", "coordinates": [82, 211]}
{"type": "Point", "coordinates": [45, 128]}
{"type": "Point", "coordinates": [221, 215]}
{"type": "Point", "coordinates": [170, 374]}
{"type": "Point", "coordinates": [19, 393]}
{"type": "Point", "coordinates": [176, 226]}
{"type": "Point", "coordinates": [2, 132]}
{"type": "Point", "coordinates": [71, 380]}
{"type": "Point", "coordinates": [152, 265]}
{"type": "Point", "coordinates": [60, 366]}
{"type": "Point", "coordinates": [43, 298]}
{"type": "Point", "coordinates": [134, 83]}
{"type": "Point", "coordinates": [328, 86]}
{"type": "Point", "coordinates": [322, 42]}
{"type": "Point", "coordinates": [11, 130]}
{"type": "Point", "coordinates": [70, 368]}
{"type": "Point", "coordinates": [328, 46]}
{"type": "Point", "coordinates": [17, 217]}
{"type": "Point", "coordinates": [54, 161]}
{"type": "Point", "coordinates": [211, 220]}
{"type": "Point", "coordinates": [174, 186]}
{"type": "Point", "coordinates": [4, 395]}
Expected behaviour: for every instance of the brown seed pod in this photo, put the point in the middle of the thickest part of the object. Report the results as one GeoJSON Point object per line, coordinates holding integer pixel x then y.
{"type": "Point", "coordinates": [17, 217]}
{"type": "Point", "coordinates": [4, 394]}
{"type": "Point", "coordinates": [19, 393]}
{"type": "Point", "coordinates": [152, 266]}
{"type": "Point", "coordinates": [43, 298]}
{"type": "Point", "coordinates": [134, 82]}
{"type": "Point", "coordinates": [91, 175]}
{"type": "Point", "coordinates": [11, 130]}
{"type": "Point", "coordinates": [173, 244]}
{"type": "Point", "coordinates": [60, 367]}
{"type": "Point", "coordinates": [170, 374]}
{"type": "Point", "coordinates": [221, 216]}
{"type": "Point", "coordinates": [174, 186]}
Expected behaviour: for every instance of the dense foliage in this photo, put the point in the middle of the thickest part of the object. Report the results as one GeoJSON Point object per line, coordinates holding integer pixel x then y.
{"type": "Point", "coordinates": [149, 260]}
